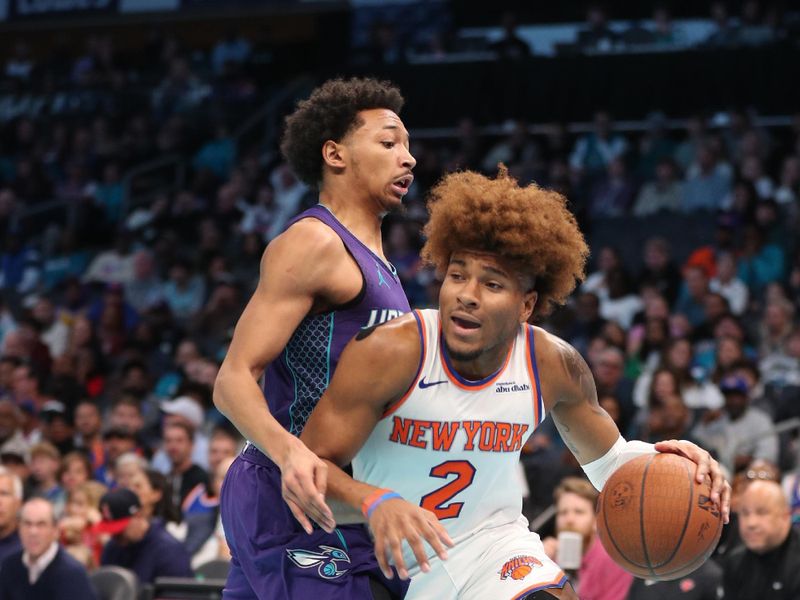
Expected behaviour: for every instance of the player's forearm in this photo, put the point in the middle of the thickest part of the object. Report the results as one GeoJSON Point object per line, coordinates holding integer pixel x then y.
{"type": "Point", "coordinates": [345, 489]}
{"type": "Point", "coordinates": [239, 398]}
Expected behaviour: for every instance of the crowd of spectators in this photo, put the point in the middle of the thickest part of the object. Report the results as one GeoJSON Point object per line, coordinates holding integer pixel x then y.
{"type": "Point", "coordinates": [113, 324]}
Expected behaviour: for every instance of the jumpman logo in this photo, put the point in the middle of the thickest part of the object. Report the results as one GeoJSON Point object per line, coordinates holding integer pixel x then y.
{"type": "Point", "coordinates": [381, 279]}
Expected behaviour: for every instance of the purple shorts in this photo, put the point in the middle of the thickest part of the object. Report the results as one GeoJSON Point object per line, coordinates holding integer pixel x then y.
{"type": "Point", "coordinates": [273, 558]}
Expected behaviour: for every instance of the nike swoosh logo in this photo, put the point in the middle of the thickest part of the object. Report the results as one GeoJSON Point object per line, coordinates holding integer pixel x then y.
{"type": "Point", "coordinates": [423, 384]}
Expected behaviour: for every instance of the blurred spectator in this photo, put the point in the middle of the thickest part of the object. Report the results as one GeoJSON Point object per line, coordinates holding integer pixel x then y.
{"type": "Point", "coordinates": [665, 194]}
{"type": "Point", "coordinates": [42, 570]}
{"type": "Point", "coordinates": [54, 332]}
{"type": "Point", "coordinates": [55, 423]}
{"type": "Point", "coordinates": [45, 464]}
{"type": "Point", "coordinates": [137, 542]}
{"type": "Point", "coordinates": [81, 514]}
{"type": "Point", "coordinates": [620, 304]}
{"type": "Point", "coordinates": [593, 152]}
{"type": "Point", "coordinates": [608, 259]}
{"type": "Point", "coordinates": [691, 301]}
{"type": "Point", "coordinates": [224, 443]}
{"type": "Point", "coordinates": [613, 194]}
{"type": "Point", "coordinates": [155, 495]}
{"type": "Point", "coordinates": [728, 284]}
{"type": "Point", "coordinates": [215, 546]}
{"type": "Point", "coordinates": [517, 149]}
{"type": "Point", "coordinates": [725, 33]}
{"type": "Point", "coordinates": [230, 52]}
{"type": "Point", "coordinates": [768, 565]}
{"type": "Point", "coordinates": [20, 65]}
{"type": "Point", "coordinates": [114, 265]}
{"type": "Point", "coordinates": [75, 470]}
{"type": "Point", "coordinates": [185, 411]}
{"type": "Point", "coordinates": [776, 327]}
{"type": "Point", "coordinates": [705, 190]}
{"type": "Point", "coordinates": [511, 46]}
{"type": "Point", "coordinates": [185, 476]}
{"type": "Point", "coordinates": [789, 182]}
{"type": "Point", "coordinates": [179, 91]}
{"type": "Point", "coordinates": [12, 439]}
{"type": "Point", "coordinates": [740, 433]}
{"type": "Point", "coordinates": [88, 424]}
{"type": "Point", "coordinates": [116, 442]}
{"type": "Point", "coordinates": [218, 155]}
{"type": "Point", "coordinates": [10, 503]}
{"type": "Point", "coordinates": [184, 291]}
{"type": "Point", "coordinates": [659, 271]}
{"type": "Point", "coordinates": [599, 577]}
{"type": "Point", "coordinates": [701, 584]}
{"type": "Point", "coordinates": [597, 35]}
{"type": "Point", "coordinates": [760, 262]}
{"type": "Point", "coordinates": [19, 265]}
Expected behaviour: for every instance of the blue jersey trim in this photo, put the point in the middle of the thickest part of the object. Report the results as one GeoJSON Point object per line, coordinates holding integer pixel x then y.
{"type": "Point", "coordinates": [451, 368]}
{"type": "Point", "coordinates": [539, 399]}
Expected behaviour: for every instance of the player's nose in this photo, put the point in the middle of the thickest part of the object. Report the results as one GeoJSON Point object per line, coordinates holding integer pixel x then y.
{"type": "Point", "coordinates": [407, 159]}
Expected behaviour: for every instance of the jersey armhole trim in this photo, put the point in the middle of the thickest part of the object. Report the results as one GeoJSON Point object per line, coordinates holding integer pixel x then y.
{"type": "Point", "coordinates": [533, 372]}
{"type": "Point", "coordinates": [423, 351]}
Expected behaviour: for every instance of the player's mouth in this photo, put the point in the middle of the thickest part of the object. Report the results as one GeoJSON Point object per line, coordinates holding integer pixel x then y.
{"type": "Point", "coordinates": [401, 184]}
{"type": "Point", "coordinates": [464, 323]}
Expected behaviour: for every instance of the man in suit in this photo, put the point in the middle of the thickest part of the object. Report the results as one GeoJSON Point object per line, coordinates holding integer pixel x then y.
{"type": "Point", "coordinates": [42, 570]}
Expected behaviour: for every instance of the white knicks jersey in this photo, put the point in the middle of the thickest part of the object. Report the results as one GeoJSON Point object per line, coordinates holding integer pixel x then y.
{"type": "Point", "coordinates": [451, 445]}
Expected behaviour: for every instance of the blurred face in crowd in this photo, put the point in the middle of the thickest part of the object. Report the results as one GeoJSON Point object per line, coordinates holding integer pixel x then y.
{"type": "Point", "coordinates": [607, 260]}
{"type": "Point", "coordinates": [610, 367]}
{"type": "Point", "coordinates": [726, 267]}
{"type": "Point", "coordinates": [127, 416]}
{"type": "Point", "coordinates": [728, 351]}
{"type": "Point", "coordinates": [77, 504]}
{"type": "Point", "coordinates": [680, 354]}
{"type": "Point", "coordinates": [87, 420]}
{"type": "Point", "coordinates": [178, 445]}
{"type": "Point", "coordinates": [664, 384]}
{"type": "Point", "coordinates": [764, 516]}
{"type": "Point", "coordinates": [186, 352]}
{"type": "Point", "coordinates": [74, 474]}
{"type": "Point", "coordinates": [44, 312]}
{"type": "Point", "coordinates": [674, 414]}
{"type": "Point", "coordinates": [125, 470]}
{"type": "Point", "coordinates": [44, 468]}
{"type": "Point", "coordinates": [715, 306]}
{"type": "Point", "coordinates": [220, 447]}
{"type": "Point", "coordinates": [117, 445]}
{"type": "Point", "coordinates": [25, 386]}
{"type": "Point", "coordinates": [148, 496]}
{"type": "Point", "coordinates": [735, 404]}
{"type": "Point", "coordinates": [575, 513]}
{"type": "Point", "coordinates": [9, 419]}
{"type": "Point", "coordinates": [37, 527]}
{"type": "Point", "coordinates": [9, 505]}
{"type": "Point", "coordinates": [696, 283]}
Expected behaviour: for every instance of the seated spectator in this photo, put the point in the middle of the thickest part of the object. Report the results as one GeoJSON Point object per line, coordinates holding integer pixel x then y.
{"type": "Point", "coordinates": [184, 291]}
{"type": "Point", "coordinates": [187, 478]}
{"type": "Point", "coordinates": [55, 426]}
{"type": "Point", "coordinates": [599, 577]}
{"type": "Point", "coordinates": [594, 151]}
{"type": "Point", "coordinates": [707, 189]}
{"type": "Point", "coordinates": [42, 570]}
{"type": "Point", "coordinates": [224, 443]}
{"type": "Point", "coordinates": [187, 411]}
{"type": "Point", "coordinates": [597, 35]}
{"type": "Point", "coordinates": [126, 467]}
{"type": "Point", "coordinates": [116, 442]}
{"type": "Point", "coordinates": [729, 285]}
{"type": "Point", "coordinates": [768, 564]}
{"type": "Point", "coordinates": [740, 433]}
{"type": "Point", "coordinates": [155, 495]}
{"type": "Point", "coordinates": [760, 262]}
{"type": "Point", "coordinates": [214, 546]}
{"type": "Point", "coordinates": [145, 289]}
{"type": "Point", "coordinates": [511, 46]}
{"type": "Point", "coordinates": [788, 190]}
{"type": "Point", "coordinates": [613, 194]}
{"type": "Point", "coordinates": [12, 438]}
{"type": "Point", "coordinates": [10, 503]}
{"type": "Point", "coordinates": [691, 299]}
{"type": "Point", "coordinates": [45, 464]}
{"type": "Point", "coordinates": [665, 194]}
{"type": "Point", "coordinates": [701, 584]}
{"type": "Point", "coordinates": [88, 423]}
{"type": "Point", "coordinates": [81, 514]}
{"type": "Point", "coordinates": [137, 542]}
{"type": "Point", "coordinates": [76, 469]}
{"type": "Point", "coordinates": [620, 304]}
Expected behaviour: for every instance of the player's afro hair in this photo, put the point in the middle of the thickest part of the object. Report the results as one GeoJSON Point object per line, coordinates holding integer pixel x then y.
{"type": "Point", "coordinates": [529, 226]}
{"type": "Point", "coordinates": [329, 114]}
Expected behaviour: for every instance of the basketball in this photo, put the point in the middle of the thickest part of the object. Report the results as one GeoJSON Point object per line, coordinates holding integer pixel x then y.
{"type": "Point", "coordinates": [655, 520]}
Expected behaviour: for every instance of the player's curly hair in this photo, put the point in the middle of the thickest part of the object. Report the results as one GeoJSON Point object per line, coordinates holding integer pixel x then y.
{"type": "Point", "coordinates": [329, 114]}
{"type": "Point", "coordinates": [529, 226]}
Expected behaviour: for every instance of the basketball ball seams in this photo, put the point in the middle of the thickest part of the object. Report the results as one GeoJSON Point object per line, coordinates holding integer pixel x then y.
{"type": "Point", "coordinates": [647, 565]}
{"type": "Point", "coordinates": [685, 523]}
{"type": "Point", "coordinates": [613, 541]}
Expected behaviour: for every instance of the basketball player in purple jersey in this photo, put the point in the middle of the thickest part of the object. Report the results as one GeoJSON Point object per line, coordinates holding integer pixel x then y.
{"type": "Point", "coordinates": [434, 408]}
{"type": "Point", "coordinates": [321, 281]}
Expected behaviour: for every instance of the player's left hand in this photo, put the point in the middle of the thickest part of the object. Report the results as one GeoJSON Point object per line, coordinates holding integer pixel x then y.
{"type": "Point", "coordinates": [706, 467]}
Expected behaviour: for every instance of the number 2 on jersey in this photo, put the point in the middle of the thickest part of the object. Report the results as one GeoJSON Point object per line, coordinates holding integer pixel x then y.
{"type": "Point", "coordinates": [434, 502]}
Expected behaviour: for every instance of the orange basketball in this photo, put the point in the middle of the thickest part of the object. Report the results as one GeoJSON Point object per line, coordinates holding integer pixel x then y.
{"type": "Point", "coordinates": [655, 520]}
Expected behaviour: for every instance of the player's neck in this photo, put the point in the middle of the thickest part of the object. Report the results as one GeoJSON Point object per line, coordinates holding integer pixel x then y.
{"type": "Point", "coordinates": [358, 216]}
{"type": "Point", "coordinates": [488, 363]}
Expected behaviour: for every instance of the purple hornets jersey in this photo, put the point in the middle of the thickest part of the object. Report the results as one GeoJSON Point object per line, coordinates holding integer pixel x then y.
{"type": "Point", "coordinates": [294, 382]}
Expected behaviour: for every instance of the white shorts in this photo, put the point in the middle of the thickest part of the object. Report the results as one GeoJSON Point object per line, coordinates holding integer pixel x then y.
{"type": "Point", "coordinates": [501, 563]}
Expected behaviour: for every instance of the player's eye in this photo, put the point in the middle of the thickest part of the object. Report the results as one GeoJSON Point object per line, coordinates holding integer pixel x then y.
{"type": "Point", "coordinates": [388, 145]}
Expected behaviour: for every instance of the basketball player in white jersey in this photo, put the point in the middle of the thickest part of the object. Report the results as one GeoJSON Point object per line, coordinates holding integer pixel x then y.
{"type": "Point", "coordinates": [433, 408]}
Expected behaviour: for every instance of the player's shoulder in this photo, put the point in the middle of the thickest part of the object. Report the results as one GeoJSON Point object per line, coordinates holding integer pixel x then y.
{"type": "Point", "coordinates": [308, 237]}
{"type": "Point", "coordinates": [551, 348]}
{"type": "Point", "coordinates": [558, 361]}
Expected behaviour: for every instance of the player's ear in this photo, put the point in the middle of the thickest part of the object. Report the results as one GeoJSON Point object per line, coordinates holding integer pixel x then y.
{"type": "Point", "coordinates": [333, 154]}
{"type": "Point", "coordinates": [528, 304]}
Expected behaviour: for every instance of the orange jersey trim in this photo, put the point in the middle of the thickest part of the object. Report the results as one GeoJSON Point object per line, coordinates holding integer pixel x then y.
{"type": "Point", "coordinates": [560, 581]}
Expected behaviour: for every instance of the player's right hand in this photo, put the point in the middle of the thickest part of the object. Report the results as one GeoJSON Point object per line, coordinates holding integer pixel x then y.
{"type": "Point", "coordinates": [396, 520]}
{"type": "Point", "coordinates": [304, 478]}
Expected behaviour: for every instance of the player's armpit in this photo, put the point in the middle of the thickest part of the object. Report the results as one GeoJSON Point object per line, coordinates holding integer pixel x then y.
{"type": "Point", "coordinates": [587, 429]}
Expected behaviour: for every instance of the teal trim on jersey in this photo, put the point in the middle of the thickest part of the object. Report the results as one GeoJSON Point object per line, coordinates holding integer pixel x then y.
{"type": "Point", "coordinates": [328, 357]}
{"type": "Point", "coordinates": [294, 395]}
{"type": "Point", "coordinates": [341, 538]}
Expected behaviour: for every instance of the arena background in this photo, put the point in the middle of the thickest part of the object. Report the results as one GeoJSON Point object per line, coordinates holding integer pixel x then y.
{"type": "Point", "coordinates": [140, 181]}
